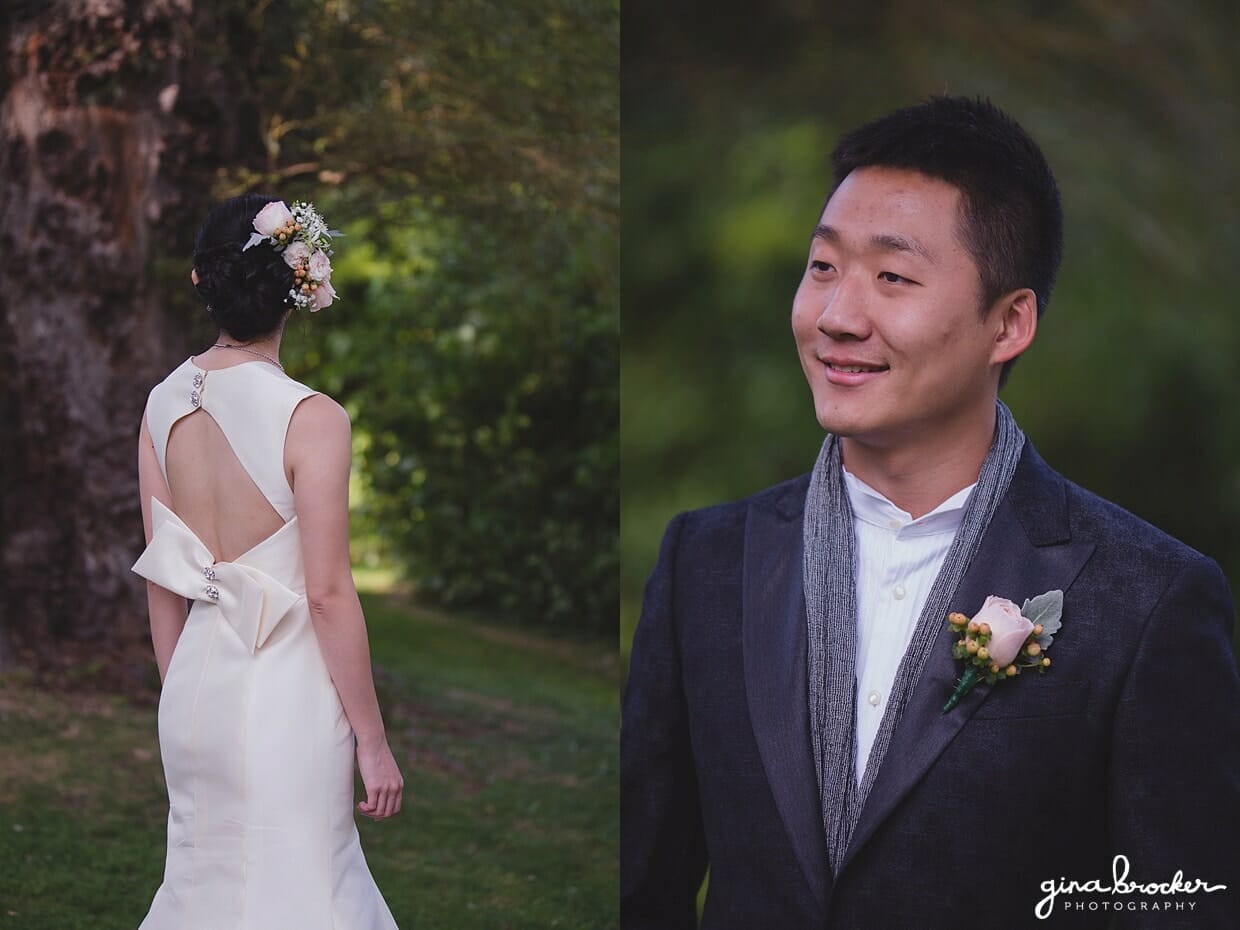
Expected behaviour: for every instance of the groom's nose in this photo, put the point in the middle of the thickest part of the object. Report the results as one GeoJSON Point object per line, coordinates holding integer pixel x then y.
{"type": "Point", "coordinates": [845, 310]}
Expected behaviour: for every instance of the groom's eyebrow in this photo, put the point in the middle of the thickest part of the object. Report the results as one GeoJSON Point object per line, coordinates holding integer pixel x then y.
{"type": "Point", "coordinates": [886, 242]}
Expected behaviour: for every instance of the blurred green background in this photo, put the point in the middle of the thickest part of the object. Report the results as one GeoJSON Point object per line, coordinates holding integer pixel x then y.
{"type": "Point", "coordinates": [729, 119]}
{"type": "Point", "coordinates": [468, 150]}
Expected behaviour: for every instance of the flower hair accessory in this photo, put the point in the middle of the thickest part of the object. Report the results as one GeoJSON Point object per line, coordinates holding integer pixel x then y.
{"type": "Point", "coordinates": [304, 240]}
{"type": "Point", "coordinates": [1002, 639]}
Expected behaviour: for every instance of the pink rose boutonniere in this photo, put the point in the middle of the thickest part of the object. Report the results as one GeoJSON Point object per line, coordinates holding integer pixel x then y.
{"type": "Point", "coordinates": [1002, 638]}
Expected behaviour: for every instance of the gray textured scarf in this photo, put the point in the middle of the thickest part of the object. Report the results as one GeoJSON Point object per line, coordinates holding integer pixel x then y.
{"type": "Point", "coordinates": [831, 610]}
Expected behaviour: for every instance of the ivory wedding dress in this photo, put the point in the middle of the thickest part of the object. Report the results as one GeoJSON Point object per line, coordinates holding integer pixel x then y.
{"type": "Point", "coordinates": [257, 751]}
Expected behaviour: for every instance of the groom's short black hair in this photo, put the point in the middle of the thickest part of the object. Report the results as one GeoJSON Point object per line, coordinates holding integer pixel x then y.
{"type": "Point", "coordinates": [1011, 221]}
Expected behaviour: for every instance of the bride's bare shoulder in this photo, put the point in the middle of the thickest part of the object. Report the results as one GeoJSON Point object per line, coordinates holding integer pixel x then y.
{"type": "Point", "coordinates": [319, 433]}
{"type": "Point", "coordinates": [318, 419]}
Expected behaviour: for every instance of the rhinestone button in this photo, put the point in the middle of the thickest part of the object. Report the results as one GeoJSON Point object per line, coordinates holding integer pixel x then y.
{"type": "Point", "coordinates": [208, 572]}
{"type": "Point", "coordinates": [195, 399]}
{"type": "Point", "coordinates": [198, 380]}
{"type": "Point", "coordinates": [213, 592]}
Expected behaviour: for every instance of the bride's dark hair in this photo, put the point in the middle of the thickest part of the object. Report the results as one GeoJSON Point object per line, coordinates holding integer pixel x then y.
{"type": "Point", "coordinates": [246, 292]}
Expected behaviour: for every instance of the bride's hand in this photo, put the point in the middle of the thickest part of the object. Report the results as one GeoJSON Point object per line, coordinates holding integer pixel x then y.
{"type": "Point", "coordinates": [381, 776]}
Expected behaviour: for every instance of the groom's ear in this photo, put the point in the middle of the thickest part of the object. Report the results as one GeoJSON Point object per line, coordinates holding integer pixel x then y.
{"type": "Point", "coordinates": [1014, 317]}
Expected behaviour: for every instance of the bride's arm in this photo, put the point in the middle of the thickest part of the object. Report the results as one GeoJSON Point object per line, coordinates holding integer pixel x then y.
{"type": "Point", "coordinates": [167, 610]}
{"type": "Point", "coordinates": [316, 453]}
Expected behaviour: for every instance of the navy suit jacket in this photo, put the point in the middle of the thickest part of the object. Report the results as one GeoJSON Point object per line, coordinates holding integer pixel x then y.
{"type": "Point", "coordinates": [1127, 745]}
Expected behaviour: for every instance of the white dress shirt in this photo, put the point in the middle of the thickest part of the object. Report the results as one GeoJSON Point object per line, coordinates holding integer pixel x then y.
{"type": "Point", "coordinates": [898, 559]}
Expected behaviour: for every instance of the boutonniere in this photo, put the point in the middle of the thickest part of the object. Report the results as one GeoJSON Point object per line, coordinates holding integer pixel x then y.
{"type": "Point", "coordinates": [1002, 639]}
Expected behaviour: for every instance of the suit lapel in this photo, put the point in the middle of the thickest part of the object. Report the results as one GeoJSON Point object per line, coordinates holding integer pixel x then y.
{"type": "Point", "coordinates": [774, 652]}
{"type": "Point", "coordinates": [1027, 549]}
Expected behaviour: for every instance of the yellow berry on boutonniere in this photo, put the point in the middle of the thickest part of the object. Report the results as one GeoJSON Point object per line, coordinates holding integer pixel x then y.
{"type": "Point", "coordinates": [972, 626]}
{"type": "Point", "coordinates": [1046, 661]}
{"type": "Point", "coordinates": [983, 653]}
{"type": "Point", "coordinates": [1033, 649]}
{"type": "Point", "coordinates": [971, 647]}
{"type": "Point", "coordinates": [983, 629]}
{"type": "Point", "coordinates": [1010, 670]}
{"type": "Point", "coordinates": [1037, 629]}
{"type": "Point", "coordinates": [957, 619]}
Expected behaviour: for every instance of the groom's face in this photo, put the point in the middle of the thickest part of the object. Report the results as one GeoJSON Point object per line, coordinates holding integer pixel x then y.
{"type": "Point", "coordinates": [887, 317]}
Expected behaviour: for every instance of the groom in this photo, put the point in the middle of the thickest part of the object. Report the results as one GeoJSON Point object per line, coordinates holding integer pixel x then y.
{"type": "Point", "coordinates": [783, 719]}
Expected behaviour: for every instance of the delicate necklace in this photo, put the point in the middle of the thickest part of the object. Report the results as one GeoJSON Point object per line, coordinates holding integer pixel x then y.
{"type": "Point", "coordinates": [228, 345]}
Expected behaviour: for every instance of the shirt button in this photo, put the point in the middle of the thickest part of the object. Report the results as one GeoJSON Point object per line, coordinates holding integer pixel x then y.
{"type": "Point", "coordinates": [894, 523]}
{"type": "Point", "coordinates": [898, 592]}
{"type": "Point", "coordinates": [874, 698]}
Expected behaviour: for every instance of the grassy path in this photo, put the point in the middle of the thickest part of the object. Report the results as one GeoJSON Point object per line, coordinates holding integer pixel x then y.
{"type": "Point", "coordinates": [508, 747]}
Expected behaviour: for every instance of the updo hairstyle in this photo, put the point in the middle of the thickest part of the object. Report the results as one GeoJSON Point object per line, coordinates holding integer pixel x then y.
{"type": "Point", "coordinates": [246, 292]}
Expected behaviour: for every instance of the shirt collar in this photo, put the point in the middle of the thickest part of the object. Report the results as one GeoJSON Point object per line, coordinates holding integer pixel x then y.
{"type": "Point", "coordinates": [871, 506]}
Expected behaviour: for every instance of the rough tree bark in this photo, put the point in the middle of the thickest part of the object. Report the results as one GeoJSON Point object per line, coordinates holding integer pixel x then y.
{"type": "Point", "coordinates": [115, 116]}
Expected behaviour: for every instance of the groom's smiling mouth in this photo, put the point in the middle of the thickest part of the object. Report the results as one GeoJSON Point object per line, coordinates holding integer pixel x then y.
{"type": "Point", "coordinates": [850, 371]}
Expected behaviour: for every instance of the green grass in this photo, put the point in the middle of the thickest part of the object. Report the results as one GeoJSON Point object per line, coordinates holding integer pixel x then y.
{"type": "Point", "coordinates": [507, 742]}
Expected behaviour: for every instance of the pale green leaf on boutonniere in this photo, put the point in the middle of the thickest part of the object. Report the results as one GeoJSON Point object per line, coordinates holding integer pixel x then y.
{"type": "Point", "coordinates": [1045, 609]}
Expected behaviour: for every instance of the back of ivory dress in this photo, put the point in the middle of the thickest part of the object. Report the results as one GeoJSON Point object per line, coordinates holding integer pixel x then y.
{"type": "Point", "coordinates": [257, 751]}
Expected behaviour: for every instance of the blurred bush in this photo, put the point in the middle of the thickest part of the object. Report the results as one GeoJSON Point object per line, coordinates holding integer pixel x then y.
{"type": "Point", "coordinates": [469, 150]}
{"type": "Point", "coordinates": [485, 397]}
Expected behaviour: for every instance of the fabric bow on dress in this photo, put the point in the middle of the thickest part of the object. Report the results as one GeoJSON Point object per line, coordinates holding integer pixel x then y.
{"type": "Point", "coordinates": [250, 600]}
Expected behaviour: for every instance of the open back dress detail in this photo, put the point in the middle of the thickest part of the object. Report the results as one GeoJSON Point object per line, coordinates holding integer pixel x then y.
{"type": "Point", "coordinates": [257, 751]}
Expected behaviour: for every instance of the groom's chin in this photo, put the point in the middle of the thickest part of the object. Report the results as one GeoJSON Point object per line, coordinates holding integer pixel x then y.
{"type": "Point", "coordinates": [834, 418]}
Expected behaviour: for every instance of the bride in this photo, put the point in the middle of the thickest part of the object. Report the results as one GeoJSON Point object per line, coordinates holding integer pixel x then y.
{"type": "Point", "coordinates": [259, 637]}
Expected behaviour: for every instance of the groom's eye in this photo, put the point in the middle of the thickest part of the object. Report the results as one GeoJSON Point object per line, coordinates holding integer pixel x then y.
{"type": "Point", "coordinates": [892, 278]}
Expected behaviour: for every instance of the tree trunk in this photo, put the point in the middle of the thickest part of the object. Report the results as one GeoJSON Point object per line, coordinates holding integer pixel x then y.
{"type": "Point", "coordinates": [115, 116]}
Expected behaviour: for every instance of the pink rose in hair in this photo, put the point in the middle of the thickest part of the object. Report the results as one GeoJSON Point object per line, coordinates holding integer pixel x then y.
{"type": "Point", "coordinates": [1008, 628]}
{"type": "Point", "coordinates": [272, 217]}
{"type": "Point", "coordinates": [321, 296]}
{"type": "Point", "coordinates": [296, 253]}
{"type": "Point", "coordinates": [320, 265]}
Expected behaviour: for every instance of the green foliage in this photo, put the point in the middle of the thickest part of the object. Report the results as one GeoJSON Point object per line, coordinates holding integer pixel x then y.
{"type": "Point", "coordinates": [470, 152]}
{"type": "Point", "coordinates": [487, 396]}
